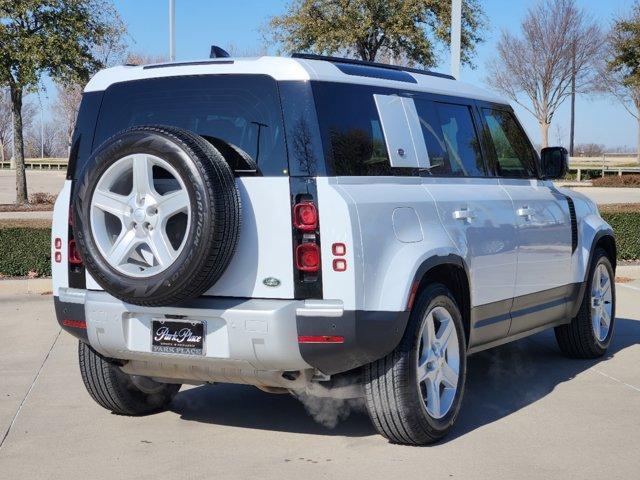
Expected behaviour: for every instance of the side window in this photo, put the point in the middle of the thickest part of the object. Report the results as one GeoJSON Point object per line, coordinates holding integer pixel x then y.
{"type": "Point", "coordinates": [451, 139]}
{"type": "Point", "coordinates": [351, 129]}
{"type": "Point", "coordinates": [461, 140]}
{"type": "Point", "coordinates": [432, 133]}
{"type": "Point", "coordinates": [515, 158]}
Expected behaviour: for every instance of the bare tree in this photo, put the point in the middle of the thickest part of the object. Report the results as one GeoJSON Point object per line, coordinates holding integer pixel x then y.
{"type": "Point", "coordinates": [237, 52]}
{"type": "Point", "coordinates": [558, 44]}
{"type": "Point", "coordinates": [66, 108]}
{"type": "Point", "coordinates": [5, 123]}
{"type": "Point", "coordinates": [6, 126]}
{"type": "Point", "coordinates": [619, 73]}
{"type": "Point", "coordinates": [138, 58]}
{"type": "Point", "coordinates": [589, 150]}
{"type": "Point", "coordinates": [47, 139]}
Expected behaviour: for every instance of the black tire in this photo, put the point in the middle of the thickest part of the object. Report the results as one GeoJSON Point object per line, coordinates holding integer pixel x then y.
{"type": "Point", "coordinates": [392, 393]}
{"type": "Point", "coordinates": [215, 205]}
{"type": "Point", "coordinates": [577, 339]}
{"type": "Point", "coordinates": [118, 392]}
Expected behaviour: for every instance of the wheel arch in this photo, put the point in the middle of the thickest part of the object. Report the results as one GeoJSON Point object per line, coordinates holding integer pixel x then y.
{"type": "Point", "coordinates": [605, 239]}
{"type": "Point", "coordinates": [452, 271]}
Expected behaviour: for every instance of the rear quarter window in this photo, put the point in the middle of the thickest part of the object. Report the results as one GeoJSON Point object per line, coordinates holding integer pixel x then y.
{"type": "Point", "coordinates": [352, 136]}
{"type": "Point", "coordinates": [243, 110]}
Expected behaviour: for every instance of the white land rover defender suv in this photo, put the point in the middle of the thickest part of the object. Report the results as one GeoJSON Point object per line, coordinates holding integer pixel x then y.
{"type": "Point", "coordinates": [316, 225]}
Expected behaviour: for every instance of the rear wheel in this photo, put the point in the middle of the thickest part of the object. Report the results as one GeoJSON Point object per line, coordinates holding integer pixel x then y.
{"type": "Point", "coordinates": [123, 394]}
{"type": "Point", "coordinates": [413, 395]}
{"type": "Point", "coordinates": [589, 333]}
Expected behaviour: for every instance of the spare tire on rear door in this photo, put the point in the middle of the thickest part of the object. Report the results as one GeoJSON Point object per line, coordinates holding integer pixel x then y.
{"type": "Point", "coordinates": [156, 215]}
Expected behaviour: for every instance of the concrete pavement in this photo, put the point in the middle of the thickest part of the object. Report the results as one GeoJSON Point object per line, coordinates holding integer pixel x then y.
{"type": "Point", "coordinates": [48, 181]}
{"type": "Point", "coordinates": [610, 195]}
{"type": "Point", "coordinates": [528, 413]}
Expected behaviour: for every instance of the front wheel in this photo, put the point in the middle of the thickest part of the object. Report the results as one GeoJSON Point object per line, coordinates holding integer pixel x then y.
{"type": "Point", "coordinates": [414, 394]}
{"type": "Point", "coordinates": [119, 392]}
{"type": "Point", "coordinates": [589, 333]}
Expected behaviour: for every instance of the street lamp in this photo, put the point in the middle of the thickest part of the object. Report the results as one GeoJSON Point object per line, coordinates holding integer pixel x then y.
{"type": "Point", "coordinates": [456, 32]}
{"type": "Point", "coordinates": [41, 124]}
{"type": "Point", "coordinates": [172, 30]}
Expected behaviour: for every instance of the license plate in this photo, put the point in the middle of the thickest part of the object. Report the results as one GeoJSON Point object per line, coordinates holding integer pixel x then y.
{"type": "Point", "coordinates": [183, 337]}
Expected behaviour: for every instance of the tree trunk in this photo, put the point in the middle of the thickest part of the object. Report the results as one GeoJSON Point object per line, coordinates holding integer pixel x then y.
{"type": "Point", "coordinates": [18, 144]}
{"type": "Point", "coordinates": [544, 133]}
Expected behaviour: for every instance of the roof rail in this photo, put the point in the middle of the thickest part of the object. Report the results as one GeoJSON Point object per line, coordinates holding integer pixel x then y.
{"type": "Point", "coordinates": [353, 61]}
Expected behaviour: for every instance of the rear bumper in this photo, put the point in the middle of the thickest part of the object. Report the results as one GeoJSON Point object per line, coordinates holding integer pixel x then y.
{"type": "Point", "coordinates": [243, 336]}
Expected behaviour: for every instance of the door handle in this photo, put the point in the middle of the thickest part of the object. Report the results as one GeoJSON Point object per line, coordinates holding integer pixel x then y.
{"type": "Point", "coordinates": [525, 212]}
{"type": "Point", "coordinates": [464, 214]}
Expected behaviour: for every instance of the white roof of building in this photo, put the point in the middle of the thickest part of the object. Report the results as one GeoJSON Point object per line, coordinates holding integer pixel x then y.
{"type": "Point", "coordinates": [284, 68]}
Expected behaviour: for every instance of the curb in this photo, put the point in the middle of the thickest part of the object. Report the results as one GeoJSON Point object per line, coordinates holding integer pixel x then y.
{"type": "Point", "coordinates": [37, 286]}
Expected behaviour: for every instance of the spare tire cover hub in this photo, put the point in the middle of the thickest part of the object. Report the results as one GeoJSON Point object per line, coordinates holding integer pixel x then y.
{"type": "Point", "coordinates": [135, 218]}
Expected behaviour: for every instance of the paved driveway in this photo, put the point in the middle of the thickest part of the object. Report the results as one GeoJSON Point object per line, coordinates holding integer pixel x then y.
{"type": "Point", "coordinates": [48, 181]}
{"type": "Point", "coordinates": [603, 196]}
{"type": "Point", "coordinates": [528, 413]}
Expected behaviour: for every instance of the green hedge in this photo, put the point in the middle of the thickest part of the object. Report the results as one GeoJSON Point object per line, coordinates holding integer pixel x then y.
{"type": "Point", "coordinates": [626, 226]}
{"type": "Point", "coordinates": [23, 250]}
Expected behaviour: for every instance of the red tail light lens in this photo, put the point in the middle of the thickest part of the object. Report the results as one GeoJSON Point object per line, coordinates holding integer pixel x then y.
{"type": "Point", "coordinates": [305, 216]}
{"type": "Point", "coordinates": [74, 255]}
{"type": "Point", "coordinates": [308, 257]}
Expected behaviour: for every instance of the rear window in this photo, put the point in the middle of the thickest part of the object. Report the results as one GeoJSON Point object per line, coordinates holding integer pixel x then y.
{"type": "Point", "coordinates": [243, 110]}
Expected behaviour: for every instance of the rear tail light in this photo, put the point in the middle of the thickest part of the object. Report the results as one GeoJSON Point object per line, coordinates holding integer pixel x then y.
{"type": "Point", "coordinates": [308, 257]}
{"type": "Point", "coordinates": [57, 245]}
{"type": "Point", "coordinates": [74, 255]}
{"type": "Point", "coordinates": [305, 216]}
{"type": "Point", "coordinates": [305, 222]}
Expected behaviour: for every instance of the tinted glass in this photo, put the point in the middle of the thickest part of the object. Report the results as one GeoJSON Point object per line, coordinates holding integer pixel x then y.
{"type": "Point", "coordinates": [351, 130]}
{"type": "Point", "coordinates": [460, 140]}
{"type": "Point", "coordinates": [83, 133]}
{"type": "Point", "coordinates": [514, 155]}
{"type": "Point", "coordinates": [304, 143]}
{"type": "Point", "coordinates": [240, 109]}
{"type": "Point", "coordinates": [433, 138]}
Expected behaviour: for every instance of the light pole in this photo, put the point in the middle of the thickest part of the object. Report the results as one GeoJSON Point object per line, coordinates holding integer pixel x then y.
{"type": "Point", "coordinates": [41, 126]}
{"type": "Point", "coordinates": [172, 30]}
{"type": "Point", "coordinates": [456, 32]}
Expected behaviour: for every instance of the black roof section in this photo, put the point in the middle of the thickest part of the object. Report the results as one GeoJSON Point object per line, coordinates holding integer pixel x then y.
{"type": "Point", "coordinates": [353, 61]}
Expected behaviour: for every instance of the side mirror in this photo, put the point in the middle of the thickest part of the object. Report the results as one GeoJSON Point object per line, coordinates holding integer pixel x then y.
{"type": "Point", "coordinates": [555, 162]}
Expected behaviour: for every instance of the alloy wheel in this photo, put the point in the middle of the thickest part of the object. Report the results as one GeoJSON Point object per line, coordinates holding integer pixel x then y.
{"type": "Point", "coordinates": [140, 213]}
{"type": "Point", "coordinates": [438, 362]}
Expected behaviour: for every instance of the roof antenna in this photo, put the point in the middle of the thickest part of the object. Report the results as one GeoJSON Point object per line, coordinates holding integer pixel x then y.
{"type": "Point", "coordinates": [217, 52]}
